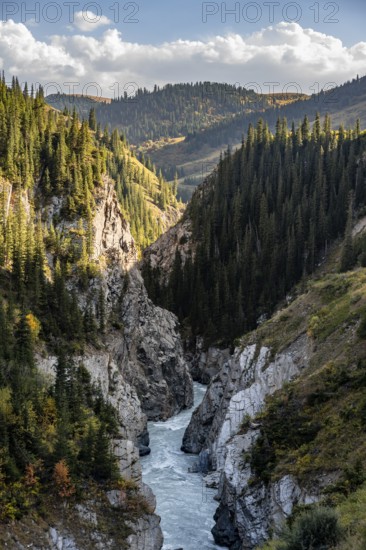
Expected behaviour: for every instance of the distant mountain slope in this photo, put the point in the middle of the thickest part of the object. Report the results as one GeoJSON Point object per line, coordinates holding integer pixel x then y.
{"type": "Point", "coordinates": [193, 157]}
{"type": "Point", "coordinates": [339, 101]}
{"type": "Point", "coordinates": [172, 111]}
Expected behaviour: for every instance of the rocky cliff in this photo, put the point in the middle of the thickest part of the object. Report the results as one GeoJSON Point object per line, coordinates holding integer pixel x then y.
{"type": "Point", "coordinates": [139, 365]}
{"type": "Point", "coordinates": [161, 254]}
{"type": "Point", "coordinates": [235, 396]}
{"type": "Point", "coordinates": [104, 521]}
{"type": "Point", "coordinates": [149, 353]}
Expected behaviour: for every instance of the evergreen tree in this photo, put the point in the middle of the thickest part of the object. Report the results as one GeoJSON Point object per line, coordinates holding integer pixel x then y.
{"type": "Point", "coordinates": [347, 256]}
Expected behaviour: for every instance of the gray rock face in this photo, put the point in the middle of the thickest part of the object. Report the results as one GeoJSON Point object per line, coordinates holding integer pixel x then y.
{"type": "Point", "coordinates": [155, 363]}
{"type": "Point", "coordinates": [146, 531]}
{"type": "Point", "coordinates": [161, 254]}
{"type": "Point", "coordinates": [237, 393]}
{"type": "Point", "coordinates": [254, 509]}
{"type": "Point", "coordinates": [147, 534]}
{"type": "Point", "coordinates": [204, 365]}
{"type": "Point", "coordinates": [60, 542]}
{"type": "Point", "coordinates": [113, 242]}
{"type": "Point", "coordinates": [149, 354]}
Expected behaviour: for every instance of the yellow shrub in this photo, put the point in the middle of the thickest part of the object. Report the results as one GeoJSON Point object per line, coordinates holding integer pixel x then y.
{"type": "Point", "coordinates": [34, 326]}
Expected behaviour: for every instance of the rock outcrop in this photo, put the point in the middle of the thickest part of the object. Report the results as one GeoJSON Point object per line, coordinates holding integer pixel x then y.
{"type": "Point", "coordinates": [90, 525]}
{"type": "Point", "coordinates": [205, 364]}
{"type": "Point", "coordinates": [236, 395]}
{"type": "Point", "coordinates": [113, 241]}
{"type": "Point", "coordinates": [249, 512]}
{"type": "Point", "coordinates": [155, 363]}
{"type": "Point", "coordinates": [149, 353]}
{"type": "Point", "coordinates": [161, 254]}
{"type": "Point", "coordinates": [238, 391]}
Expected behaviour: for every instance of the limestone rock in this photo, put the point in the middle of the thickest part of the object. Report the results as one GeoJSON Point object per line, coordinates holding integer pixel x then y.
{"type": "Point", "coordinates": [154, 362]}
{"type": "Point", "coordinates": [113, 241]}
{"type": "Point", "coordinates": [148, 352]}
{"type": "Point", "coordinates": [161, 254]}
{"type": "Point", "coordinates": [205, 365]}
{"type": "Point", "coordinates": [238, 391]}
{"type": "Point", "coordinates": [147, 534]}
{"type": "Point", "coordinates": [236, 394]}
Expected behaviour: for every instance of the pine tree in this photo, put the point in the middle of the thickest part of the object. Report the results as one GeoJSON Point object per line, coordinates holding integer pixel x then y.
{"type": "Point", "coordinates": [104, 463]}
{"type": "Point", "coordinates": [347, 255]}
{"type": "Point", "coordinates": [92, 120]}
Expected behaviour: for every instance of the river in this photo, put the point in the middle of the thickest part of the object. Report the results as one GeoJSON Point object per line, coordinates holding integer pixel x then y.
{"type": "Point", "coordinates": [185, 504]}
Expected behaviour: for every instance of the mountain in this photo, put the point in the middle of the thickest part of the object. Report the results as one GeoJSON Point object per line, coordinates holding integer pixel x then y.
{"type": "Point", "coordinates": [194, 157]}
{"type": "Point", "coordinates": [86, 358]}
{"type": "Point", "coordinates": [265, 271]}
{"type": "Point", "coordinates": [261, 221]}
{"type": "Point", "coordinates": [190, 125]}
{"type": "Point", "coordinates": [148, 202]}
{"type": "Point", "coordinates": [345, 103]}
{"type": "Point", "coordinates": [172, 111]}
{"type": "Point", "coordinates": [268, 262]}
{"type": "Point", "coordinates": [157, 122]}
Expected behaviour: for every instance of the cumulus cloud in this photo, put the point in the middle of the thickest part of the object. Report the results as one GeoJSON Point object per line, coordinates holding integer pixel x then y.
{"type": "Point", "coordinates": [88, 21]}
{"type": "Point", "coordinates": [280, 53]}
{"type": "Point", "coordinates": [28, 58]}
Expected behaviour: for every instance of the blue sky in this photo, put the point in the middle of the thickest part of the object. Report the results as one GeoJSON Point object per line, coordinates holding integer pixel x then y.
{"type": "Point", "coordinates": [158, 41]}
{"type": "Point", "coordinates": [168, 19]}
{"type": "Point", "coordinates": [156, 21]}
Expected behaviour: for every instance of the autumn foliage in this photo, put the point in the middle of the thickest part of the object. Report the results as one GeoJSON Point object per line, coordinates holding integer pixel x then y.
{"type": "Point", "coordinates": [61, 477]}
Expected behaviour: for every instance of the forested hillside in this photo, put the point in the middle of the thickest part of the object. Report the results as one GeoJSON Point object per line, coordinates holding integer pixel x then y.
{"type": "Point", "coordinates": [345, 103]}
{"type": "Point", "coordinates": [183, 128]}
{"type": "Point", "coordinates": [148, 202]}
{"type": "Point", "coordinates": [163, 124]}
{"type": "Point", "coordinates": [261, 221]}
{"type": "Point", "coordinates": [172, 111]}
{"type": "Point", "coordinates": [200, 151]}
{"type": "Point", "coordinates": [56, 436]}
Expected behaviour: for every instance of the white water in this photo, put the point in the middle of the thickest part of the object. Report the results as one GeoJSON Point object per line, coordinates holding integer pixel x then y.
{"type": "Point", "coordinates": [184, 503]}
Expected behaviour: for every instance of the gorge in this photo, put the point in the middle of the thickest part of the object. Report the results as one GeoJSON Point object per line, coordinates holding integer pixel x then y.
{"type": "Point", "coordinates": [257, 291]}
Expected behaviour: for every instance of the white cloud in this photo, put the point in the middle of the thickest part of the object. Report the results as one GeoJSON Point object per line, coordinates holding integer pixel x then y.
{"type": "Point", "coordinates": [30, 59]}
{"type": "Point", "coordinates": [282, 53]}
{"type": "Point", "coordinates": [88, 21]}
{"type": "Point", "coordinates": [32, 22]}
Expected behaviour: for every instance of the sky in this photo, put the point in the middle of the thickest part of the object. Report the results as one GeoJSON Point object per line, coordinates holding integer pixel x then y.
{"type": "Point", "coordinates": [110, 47]}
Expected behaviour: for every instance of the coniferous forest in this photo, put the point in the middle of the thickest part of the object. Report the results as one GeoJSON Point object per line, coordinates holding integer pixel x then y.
{"type": "Point", "coordinates": [263, 220]}
{"type": "Point", "coordinates": [182, 275]}
{"type": "Point", "coordinates": [170, 111]}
